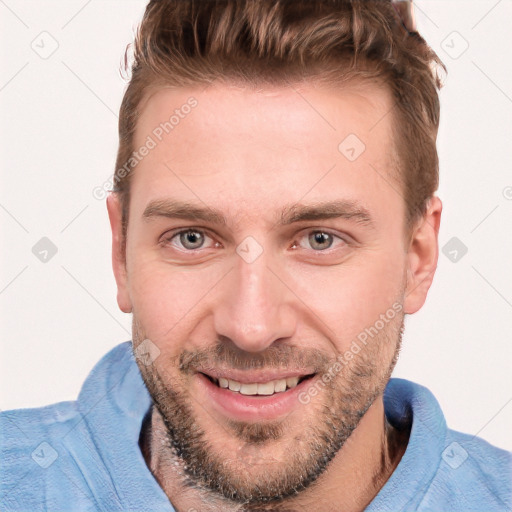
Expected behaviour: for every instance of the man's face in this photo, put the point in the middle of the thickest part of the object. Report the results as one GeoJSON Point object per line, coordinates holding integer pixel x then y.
{"type": "Point", "coordinates": [265, 296]}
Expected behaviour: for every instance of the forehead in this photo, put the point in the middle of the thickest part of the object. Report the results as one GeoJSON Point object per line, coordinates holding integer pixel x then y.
{"type": "Point", "coordinates": [247, 150]}
{"type": "Point", "coordinates": [290, 112]}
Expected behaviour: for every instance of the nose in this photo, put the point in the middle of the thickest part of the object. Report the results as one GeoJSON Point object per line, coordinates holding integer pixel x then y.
{"type": "Point", "coordinates": [255, 306]}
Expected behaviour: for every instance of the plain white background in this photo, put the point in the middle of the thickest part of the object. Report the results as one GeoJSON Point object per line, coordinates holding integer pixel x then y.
{"type": "Point", "coordinates": [59, 139]}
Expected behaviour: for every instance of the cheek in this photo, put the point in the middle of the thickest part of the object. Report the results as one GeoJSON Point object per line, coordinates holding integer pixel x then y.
{"type": "Point", "coordinates": [169, 301]}
{"type": "Point", "coordinates": [352, 297]}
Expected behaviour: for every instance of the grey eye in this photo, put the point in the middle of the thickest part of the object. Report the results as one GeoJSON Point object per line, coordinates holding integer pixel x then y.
{"type": "Point", "coordinates": [320, 240]}
{"type": "Point", "coordinates": [191, 239]}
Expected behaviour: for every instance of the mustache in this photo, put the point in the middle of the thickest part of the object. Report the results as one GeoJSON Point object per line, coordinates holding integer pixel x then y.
{"type": "Point", "coordinates": [228, 355]}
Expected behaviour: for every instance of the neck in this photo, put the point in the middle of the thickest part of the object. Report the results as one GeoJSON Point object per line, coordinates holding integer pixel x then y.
{"type": "Point", "coordinates": [362, 466]}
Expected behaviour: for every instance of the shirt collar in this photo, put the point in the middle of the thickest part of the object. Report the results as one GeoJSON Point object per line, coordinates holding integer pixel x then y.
{"type": "Point", "coordinates": [409, 405]}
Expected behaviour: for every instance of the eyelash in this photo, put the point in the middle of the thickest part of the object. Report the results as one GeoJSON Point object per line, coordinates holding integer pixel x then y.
{"type": "Point", "coordinates": [173, 235]}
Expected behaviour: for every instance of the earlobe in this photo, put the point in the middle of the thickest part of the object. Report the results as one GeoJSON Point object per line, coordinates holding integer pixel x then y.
{"type": "Point", "coordinates": [422, 256]}
{"type": "Point", "coordinates": [118, 253]}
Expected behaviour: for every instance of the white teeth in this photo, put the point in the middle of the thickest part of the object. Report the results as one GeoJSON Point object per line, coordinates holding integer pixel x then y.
{"type": "Point", "coordinates": [249, 389]}
{"type": "Point", "coordinates": [264, 388]}
{"type": "Point", "coordinates": [280, 385]}
{"type": "Point", "coordinates": [291, 382]}
{"type": "Point", "coordinates": [234, 385]}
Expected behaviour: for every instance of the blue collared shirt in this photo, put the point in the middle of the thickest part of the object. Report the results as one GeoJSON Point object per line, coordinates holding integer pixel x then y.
{"type": "Point", "coordinates": [84, 456]}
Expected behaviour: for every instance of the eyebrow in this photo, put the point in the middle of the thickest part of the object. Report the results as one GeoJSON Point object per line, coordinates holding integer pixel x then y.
{"type": "Point", "coordinates": [290, 214]}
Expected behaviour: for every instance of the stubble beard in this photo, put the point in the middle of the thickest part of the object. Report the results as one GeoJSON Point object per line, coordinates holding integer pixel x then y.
{"type": "Point", "coordinates": [245, 477]}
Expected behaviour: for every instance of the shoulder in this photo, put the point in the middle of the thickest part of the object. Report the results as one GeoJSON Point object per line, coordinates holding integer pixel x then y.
{"type": "Point", "coordinates": [472, 475]}
{"type": "Point", "coordinates": [47, 452]}
{"type": "Point", "coordinates": [19, 428]}
{"type": "Point", "coordinates": [442, 469]}
{"type": "Point", "coordinates": [31, 441]}
{"type": "Point", "coordinates": [23, 430]}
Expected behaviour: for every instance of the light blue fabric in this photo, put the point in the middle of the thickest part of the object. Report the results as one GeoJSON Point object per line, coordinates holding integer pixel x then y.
{"type": "Point", "coordinates": [83, 455]}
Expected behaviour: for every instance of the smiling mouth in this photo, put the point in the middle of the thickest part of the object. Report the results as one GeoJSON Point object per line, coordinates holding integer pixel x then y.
{"type": "Point", "coordinates": [258, 388]}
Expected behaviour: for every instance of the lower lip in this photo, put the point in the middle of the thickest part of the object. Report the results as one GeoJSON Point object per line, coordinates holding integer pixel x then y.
{"type": "Point", "coordinates": [252, 407]}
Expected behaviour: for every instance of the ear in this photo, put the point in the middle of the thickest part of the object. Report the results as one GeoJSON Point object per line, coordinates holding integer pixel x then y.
{"type": "Point", "coordinates": [422, 256]}
{"type": "Point", "coordinates": [118, 255]}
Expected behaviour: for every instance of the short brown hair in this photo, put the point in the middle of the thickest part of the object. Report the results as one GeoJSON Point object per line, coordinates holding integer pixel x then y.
{"type": "Point", "coordinates": [191, 42]}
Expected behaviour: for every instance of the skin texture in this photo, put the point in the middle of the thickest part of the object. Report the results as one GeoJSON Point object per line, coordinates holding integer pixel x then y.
{"type": "Point", "coordinates": [303, 300]}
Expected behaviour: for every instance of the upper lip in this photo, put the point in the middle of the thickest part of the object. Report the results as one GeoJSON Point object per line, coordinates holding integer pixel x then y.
{"type": "Point", "coordinates": [254, 376]}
